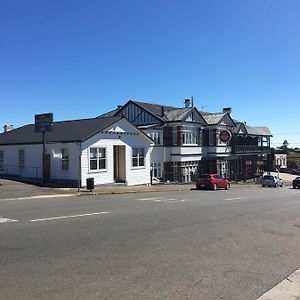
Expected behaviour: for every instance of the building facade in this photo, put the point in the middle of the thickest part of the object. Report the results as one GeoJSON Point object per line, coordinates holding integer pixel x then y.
{"type": "Point", "coordinates": [188, 142]}
{"type": "Point", "coordinates": [109, 150]}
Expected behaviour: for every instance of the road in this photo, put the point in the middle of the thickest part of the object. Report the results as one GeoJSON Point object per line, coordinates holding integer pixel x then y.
{"type": "Point", "coordinates": [234, 244]}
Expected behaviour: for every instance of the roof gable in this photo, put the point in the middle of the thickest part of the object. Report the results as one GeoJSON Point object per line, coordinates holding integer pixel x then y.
{"type": "Point", "coordinates": [138, 114]}
{"type": "Point", "coordinates": [218, 119]}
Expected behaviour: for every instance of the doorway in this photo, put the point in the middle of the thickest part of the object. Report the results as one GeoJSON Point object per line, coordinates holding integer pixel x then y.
{"type": "Point", "coordinates": [47, 170]}
{"type": "Point", "coordinates": [119, 164]}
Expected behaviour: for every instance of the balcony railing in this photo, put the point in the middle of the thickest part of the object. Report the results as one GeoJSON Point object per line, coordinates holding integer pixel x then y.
{"type": "Point", "coordinates": [250, 148]}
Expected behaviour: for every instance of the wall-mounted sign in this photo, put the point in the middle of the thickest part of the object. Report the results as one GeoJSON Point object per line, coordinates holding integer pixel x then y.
{"type": "Point", "coordinates": [225, 136]}
{"type": "Point", "coordinates": [44, 122]}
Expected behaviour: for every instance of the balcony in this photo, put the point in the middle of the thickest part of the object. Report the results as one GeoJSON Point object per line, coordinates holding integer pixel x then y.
{"type": "Point", "coordinates": [250, 149]}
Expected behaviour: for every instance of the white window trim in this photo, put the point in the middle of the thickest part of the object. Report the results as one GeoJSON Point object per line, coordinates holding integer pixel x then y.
{"type": "Point", "coordinates": [89, 163]}
{"type": "Point", "coordinates": [138, 167]}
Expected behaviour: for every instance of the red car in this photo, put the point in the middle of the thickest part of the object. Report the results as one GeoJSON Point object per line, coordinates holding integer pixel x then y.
{"type": "Point", "coordinates": [212, 181]}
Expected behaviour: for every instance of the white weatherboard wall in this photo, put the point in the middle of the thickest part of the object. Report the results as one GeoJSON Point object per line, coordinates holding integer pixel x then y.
{"type": "Point", "coordinates": [32, 163]}
{"type": "Point", "coordinates": [122, 133]}
{"type": "Point", "coordinates": [55, 151]}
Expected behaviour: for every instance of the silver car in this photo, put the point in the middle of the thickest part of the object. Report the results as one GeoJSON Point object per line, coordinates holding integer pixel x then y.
{"type": "Point", "coordinates": [270, 180]}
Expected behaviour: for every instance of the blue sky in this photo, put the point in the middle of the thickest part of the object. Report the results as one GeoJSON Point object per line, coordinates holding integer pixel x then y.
{"type": "Point", "coordinates": [81, 58]}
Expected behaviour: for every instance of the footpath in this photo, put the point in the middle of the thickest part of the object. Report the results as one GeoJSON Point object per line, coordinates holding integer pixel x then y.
{"type": "Point", "coordinates": [11, 189]}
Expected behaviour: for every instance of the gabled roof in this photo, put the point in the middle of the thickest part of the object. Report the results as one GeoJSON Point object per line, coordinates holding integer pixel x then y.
{"type": "Point", "coordinates": [217, 118]}
{"type": "Point", "coordinates": [253, 130]}
{"type": "Point", "coordinates": [164, 113]}
{"type": "Point", "coordinates": [65, 131]}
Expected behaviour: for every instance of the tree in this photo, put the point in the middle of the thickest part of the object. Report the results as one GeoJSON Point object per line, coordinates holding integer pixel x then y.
{"type": "Point", "coordinates": [285, 145]}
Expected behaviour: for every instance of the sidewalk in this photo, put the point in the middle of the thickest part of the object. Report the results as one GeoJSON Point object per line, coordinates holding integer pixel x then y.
{"type": "Point", "coordinates": [10, 189]}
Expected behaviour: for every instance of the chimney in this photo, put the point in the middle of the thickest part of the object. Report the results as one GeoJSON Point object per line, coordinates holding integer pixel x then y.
{"type": "Point", "coordinates": [162, 111]}
{"type": "Point", "coordinates": [8, 127]}
{"type": "Point", "coordinates": [187, 103]}
{"type": "Point", "coordinates": [227, 110]}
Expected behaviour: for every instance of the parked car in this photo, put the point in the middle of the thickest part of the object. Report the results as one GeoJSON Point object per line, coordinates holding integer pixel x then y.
{"type": "Point", "coordinates": [212, 181]}
{"type": "Point", "coordinates": [271, 180]}
{"type": "Point", "coordinates": [296, 183]}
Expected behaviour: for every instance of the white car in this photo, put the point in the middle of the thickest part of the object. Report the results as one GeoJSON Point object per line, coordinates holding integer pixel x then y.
{"type": "Point", "coordinates": [270, 180]}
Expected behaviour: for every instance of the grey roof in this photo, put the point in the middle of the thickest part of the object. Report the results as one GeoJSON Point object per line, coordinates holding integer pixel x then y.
{"type": "Point", "coordinates": [171, 113]}
{"type": "Point", "coordinates": [213, 118]}
{"type": "Point", "coordinates": [66, 131]}
{"type": "Point", "coordinates": [110, 113]}
{"type": "Point", "coordinates": [258, 130]}
{"type": "Point", "coordinates": [177, 114]}
{"type": "Point", "coordinates": [253, 130]}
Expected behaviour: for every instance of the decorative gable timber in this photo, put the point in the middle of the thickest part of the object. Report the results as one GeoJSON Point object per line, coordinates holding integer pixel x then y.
{"type": "Point", "coordinates": [137, 115]}
{"type": "Point", "coordinates": [242, 129]}
{"type": "Point", "coordinates": [194, 116]}
{"type": "Point", "coordinates": [227, 121]}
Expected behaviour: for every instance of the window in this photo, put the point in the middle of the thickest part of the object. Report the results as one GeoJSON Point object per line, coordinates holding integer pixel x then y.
{"type": "Point", "coordinates": [155, 136]}
{"type": "Point", "coordinates": [1, 160]}
{"type": "Point", "coordinates": [156, 170]}
{"type": "Point", "coordinates": [65, 159]}
{"type": "Point", "coordinates": [138, 157]}
{"type": "Point", "coordinates": [190, 136]}
{"type": "Point", "coordinates": [21, 159]}
{"type": "Point", "coordinates": [212, 137]}
{"type": "Point", "coordinates": [97, 158]}
{"type": "Point", "coordinates": [174, 136]}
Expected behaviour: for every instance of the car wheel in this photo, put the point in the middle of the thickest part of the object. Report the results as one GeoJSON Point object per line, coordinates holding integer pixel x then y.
{"type": "Point", "coordinates": [294, 186]}
{"type": "Point", "coordinates": [198, 188]}
{"type": "Point", "coordinates": [227, 186]}
{"type": "Point", "coordinates": [263, 185]}
{"type": "Point", "coordinates": [215, 187]}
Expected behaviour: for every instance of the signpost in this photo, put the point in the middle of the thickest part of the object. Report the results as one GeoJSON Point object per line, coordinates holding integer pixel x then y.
{"type": "Point", "coordinates": [43, 124]}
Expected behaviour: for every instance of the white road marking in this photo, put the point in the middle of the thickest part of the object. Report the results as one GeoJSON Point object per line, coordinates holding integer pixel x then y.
{"type": "Point", "coordinates": [5, 220]}
{"type": "Point", "coordinates": [287, 289]}
{"type": "Point", "coordinates": [231, 199]}
{"type": "Point", "coordinates": [159, 199]}
{"type": "Point", "coordinates": [68, 217]}
{"type": "Point", "coordinates": [148, 199]}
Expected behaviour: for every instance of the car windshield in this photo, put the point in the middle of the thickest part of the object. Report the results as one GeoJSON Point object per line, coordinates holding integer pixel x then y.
{"type": "Point", "coordinates": [204, 177]}
{"type": "Point", "coordinates": [268, 177]}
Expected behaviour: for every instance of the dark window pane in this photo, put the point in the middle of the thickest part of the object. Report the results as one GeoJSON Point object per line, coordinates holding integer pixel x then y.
{"type": "Point", "coordinates": [102, 164]}
{"type": "Point", "coordinates": [134, 162]}
{"type": "Point", "coordinates": [93, 164]}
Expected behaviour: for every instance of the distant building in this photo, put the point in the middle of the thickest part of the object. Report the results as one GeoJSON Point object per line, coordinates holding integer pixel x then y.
{"type": "Point", "coordinates": [280, 160]}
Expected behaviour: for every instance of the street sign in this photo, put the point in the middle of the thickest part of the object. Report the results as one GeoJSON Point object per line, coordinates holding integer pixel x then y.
{"type": "Point", "coordinates": [44, 122]}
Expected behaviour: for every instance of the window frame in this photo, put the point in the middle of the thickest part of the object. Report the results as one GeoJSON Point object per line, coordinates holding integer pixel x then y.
{"type": "Point", "coordinates": [65, 161]}
{"type": "Point", "coordinates": [137, 157]}
{"type": "Point", "coordinates": [98, 159]}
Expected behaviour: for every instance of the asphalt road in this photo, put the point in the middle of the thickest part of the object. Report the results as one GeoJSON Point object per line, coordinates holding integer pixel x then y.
{"type": "Point", "coordinates": [234, 244]}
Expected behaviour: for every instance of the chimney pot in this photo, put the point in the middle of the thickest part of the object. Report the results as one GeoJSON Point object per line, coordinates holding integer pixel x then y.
{"type": "Point", "coordinates": [8, 127]}
{"type": "Point", "coordinates": [227, 109]}
{"type": "Point", "coordinates": [187, 102]}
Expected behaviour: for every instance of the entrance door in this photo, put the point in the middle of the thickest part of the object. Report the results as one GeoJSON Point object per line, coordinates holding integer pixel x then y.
{"type": "Point", "coordinates": [47, 170]}
{"type": "Point", "coordinates": [119, 164]}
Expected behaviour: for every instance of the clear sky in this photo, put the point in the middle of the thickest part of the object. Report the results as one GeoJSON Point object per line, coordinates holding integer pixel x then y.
{"type": "Point", "coordinates": [81, 58]}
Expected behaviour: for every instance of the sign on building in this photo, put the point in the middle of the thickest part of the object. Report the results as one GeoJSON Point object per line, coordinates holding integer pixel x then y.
{"type": "Point", "coordinates": [44, 122]}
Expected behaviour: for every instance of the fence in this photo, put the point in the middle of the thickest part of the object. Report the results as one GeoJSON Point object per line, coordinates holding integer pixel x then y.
{"type": "Point", "coordinates": [21, 172]}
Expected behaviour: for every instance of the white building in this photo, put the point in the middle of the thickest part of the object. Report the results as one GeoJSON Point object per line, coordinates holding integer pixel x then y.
{"type": "Point", "coordinates": [108, 149]}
